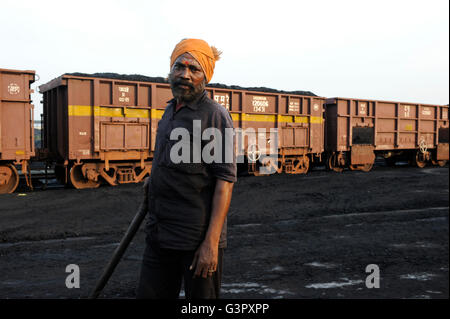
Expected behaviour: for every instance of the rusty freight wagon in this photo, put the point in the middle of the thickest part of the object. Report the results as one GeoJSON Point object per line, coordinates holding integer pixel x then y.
{"type": "Point", "coordinates": [97, 129]}
{"type": "Point", "coordinates": [358, 130]}
{"type": "Point", "coordinates": [103, 126]}
{"type": "Point", "coordinates": [297, 116]}
{"type": "Point", "coordinates": [298, 119]}
{"type": "Point", "coordinates": [16, 127]}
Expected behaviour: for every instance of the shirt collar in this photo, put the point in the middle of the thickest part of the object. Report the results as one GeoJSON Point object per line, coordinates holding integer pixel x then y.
{"type": "Point", "coordinates": [192, 105]}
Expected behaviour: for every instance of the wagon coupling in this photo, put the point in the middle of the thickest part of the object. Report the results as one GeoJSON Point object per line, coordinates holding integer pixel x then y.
{"type": "Point", "coordinates": [423, 146]}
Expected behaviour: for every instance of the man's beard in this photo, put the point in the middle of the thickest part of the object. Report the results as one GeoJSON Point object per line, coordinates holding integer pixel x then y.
{"type": "Point", "coordinates": [185, 95]}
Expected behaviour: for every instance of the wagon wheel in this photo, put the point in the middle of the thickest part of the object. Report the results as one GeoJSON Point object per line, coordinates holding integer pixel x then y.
{"type": "Point", "coordinates": [78, 180]}
{"type": "Point", "coordinates": [278, 166]}
{"type": "Point", "coordinates": [302, 165]}
{"type": "Point", "coordinates": [9, 179]}
{"type": "Point", "coordinates": [331, 165]}
{"type": "Point", "coordinates": [364, 167]}
{"type": "Point", "coordinates": [274, 166]}
{"type": "Point", "coordinates": [420, 160]}
{"type": "Point", "coordinates": [439, 163]}
{"type": "Point", "coordinates": [367, 167]}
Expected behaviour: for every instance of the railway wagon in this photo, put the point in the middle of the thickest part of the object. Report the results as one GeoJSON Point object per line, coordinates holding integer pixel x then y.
{"type": "Point", "coordinates": [97, 129]}
{"type": "Point", "coordinates": [296, 116]}
{"type": "Point", "coordinates": [103, 127]}
{"type": "Point", "coordinates": [358, 130]}
{"type": "Point", "coordinates": [296, 119]}
{"type": "Point", "coordinates": [16, 127]}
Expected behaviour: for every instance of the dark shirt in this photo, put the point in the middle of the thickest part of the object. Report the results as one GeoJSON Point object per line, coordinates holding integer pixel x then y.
{"type": "Point", "coordinates": [180, 194]}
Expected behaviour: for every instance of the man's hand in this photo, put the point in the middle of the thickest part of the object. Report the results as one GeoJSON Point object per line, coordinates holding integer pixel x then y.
{"type": "Point", "coordinates": [206, 257]}
{"type": "Point", "coordinates": [205, 260]}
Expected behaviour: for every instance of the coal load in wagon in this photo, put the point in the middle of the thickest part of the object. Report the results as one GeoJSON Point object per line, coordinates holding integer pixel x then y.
{"type": "Point", "coordinates": [259, 89]}
{"type": "Point", "coordinates": [143, 78]}
{"type": "Point", "coordinates": [125, 77]}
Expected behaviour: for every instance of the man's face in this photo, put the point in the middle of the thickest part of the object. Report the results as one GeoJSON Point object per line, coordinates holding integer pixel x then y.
{"type": "Point", "coordinates": [186, 78]}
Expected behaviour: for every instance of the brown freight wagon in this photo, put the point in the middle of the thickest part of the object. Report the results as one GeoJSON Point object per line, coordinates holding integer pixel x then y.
{"type": "Point", "coordinates": [104, 127]}
{"type": "Point", "coordinates": [97, 129]}
{"type": "Point", "coordinates": [101, 127]}
{"type": "Point", "coordinates": [297, 118]}
{"type": "Point", "coordinates": [16, 127]}
{"type": "Point", "coordinates": [358, 130]}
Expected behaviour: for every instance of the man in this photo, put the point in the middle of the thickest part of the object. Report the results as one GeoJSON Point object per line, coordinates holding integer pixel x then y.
{"type": "Point", "coordinates": [188, 201]}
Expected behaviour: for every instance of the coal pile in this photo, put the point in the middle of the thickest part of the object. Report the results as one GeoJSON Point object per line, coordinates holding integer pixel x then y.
{"type": "Point", "coordinates": [289, 236]}
{"type": "Point", "coordinates": [125, 77]}
{"type": "Point", "coordinates": [144, 78]}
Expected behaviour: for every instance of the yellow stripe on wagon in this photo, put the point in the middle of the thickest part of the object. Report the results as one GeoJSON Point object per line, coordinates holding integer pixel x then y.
{"type": "Point", "coordinates": [258, 118]}
{"type": "Point", "coordinates": [157, 114]}
{"type": "Point", "coordinates": [80, 110]}
{"type": "Point", "coordinates": [273, 118]}
{"type": "Point", "coordinates": [87, 110]}
{"type": "Point", "coordinates": [298, 119]}
{"type": "Point", "coordinates": [316, 120]}
{"type": "Point", "coordinates": [235, 116]}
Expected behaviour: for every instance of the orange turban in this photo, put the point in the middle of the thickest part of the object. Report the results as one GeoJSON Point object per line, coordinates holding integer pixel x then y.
{"type": "Point", "coordinates": [205, 55]}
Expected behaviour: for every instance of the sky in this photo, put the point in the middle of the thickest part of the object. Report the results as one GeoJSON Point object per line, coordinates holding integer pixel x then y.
{"type": "Point", "coordinates": [395, 50]}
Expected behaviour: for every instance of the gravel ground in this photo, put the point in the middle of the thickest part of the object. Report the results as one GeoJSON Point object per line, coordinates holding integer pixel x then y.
{"type": "Point", "coordinates": [290, 236]}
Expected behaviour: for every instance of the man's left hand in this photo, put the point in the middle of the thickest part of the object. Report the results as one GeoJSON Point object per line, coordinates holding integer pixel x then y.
{"type": "Point", "coordinates": [205, 260]}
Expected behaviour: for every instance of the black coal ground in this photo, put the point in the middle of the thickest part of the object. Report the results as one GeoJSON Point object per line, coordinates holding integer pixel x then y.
{"type": "Point", "coordinates": [290, 236]}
